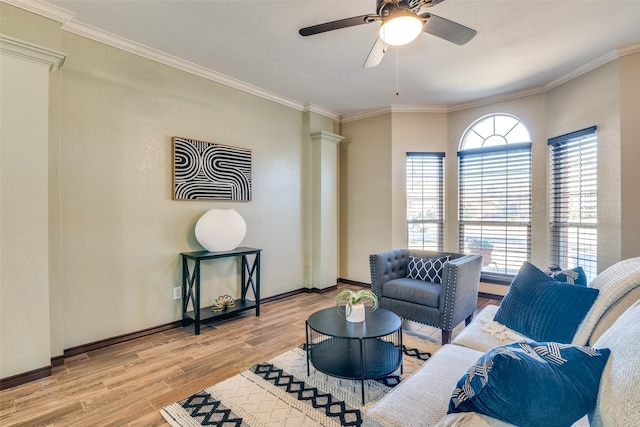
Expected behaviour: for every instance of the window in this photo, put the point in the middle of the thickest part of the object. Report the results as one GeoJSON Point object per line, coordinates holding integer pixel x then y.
{"type": "Point", "coordinates": [574, 200]}
{"type": "Point", "coordinates": [425, 200]}
{"type": "Point", "coordinates": [495, 194]}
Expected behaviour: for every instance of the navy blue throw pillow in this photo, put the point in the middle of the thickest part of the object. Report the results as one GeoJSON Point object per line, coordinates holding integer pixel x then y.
{"type": "Point", "coordinates": [543, 309]}
{"type": "Point", "coordinates": [428, 270]}
{"type": "Point", "coordinates": [532, 384]}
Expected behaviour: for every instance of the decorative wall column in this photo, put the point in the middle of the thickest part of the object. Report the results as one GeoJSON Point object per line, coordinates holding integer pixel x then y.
{"type": "Point", "coordinates": [324, 209]}
{"type": "Point", "coordinates": [25, 344]}
{"type": "Point", "coordinates": [629, 148]}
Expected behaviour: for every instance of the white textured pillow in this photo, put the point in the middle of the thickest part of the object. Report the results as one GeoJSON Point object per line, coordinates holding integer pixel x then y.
{"type": "Point", "coordinates": [619, 393]}
{"type": "Point", "coordinates": [613, 283]}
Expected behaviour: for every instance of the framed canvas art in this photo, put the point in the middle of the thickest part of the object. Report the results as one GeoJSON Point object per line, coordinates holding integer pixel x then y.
{"type": "Point", "coordinates": [207, 170]}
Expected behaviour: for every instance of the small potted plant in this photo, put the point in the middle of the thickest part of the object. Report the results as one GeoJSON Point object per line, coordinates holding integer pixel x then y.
{"type": "Point", "coordinates": [353, 302]}
{"type": "Point", "coordinates": [484, 247]}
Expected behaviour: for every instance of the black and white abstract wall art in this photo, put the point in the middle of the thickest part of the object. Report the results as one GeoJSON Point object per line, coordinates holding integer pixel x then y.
{"type": "Point", "coordinates": [207, 170]}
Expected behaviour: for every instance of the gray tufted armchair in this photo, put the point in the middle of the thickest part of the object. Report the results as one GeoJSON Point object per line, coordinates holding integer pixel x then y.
{"type": "Point", "coordinates": [441, 305]}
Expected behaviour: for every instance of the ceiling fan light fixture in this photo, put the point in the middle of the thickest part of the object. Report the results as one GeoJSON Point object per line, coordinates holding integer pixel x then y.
{"type": "Point", "coordinates": [400, 29]}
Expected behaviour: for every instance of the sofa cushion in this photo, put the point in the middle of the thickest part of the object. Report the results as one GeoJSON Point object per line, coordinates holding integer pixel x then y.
{"type": "Point", "coordinates": [413, 290]}
{"type": "Point", "coordinates": [613, 283]}
{"type": "Point", "coordinates": [423, 398]}
{"type": "Point", "coordinates": [542, 308]}
{"type": "Point", "coordinates": [532, 383]}
{"type": "Point", "coordinates": [428, 270]}
{"type": "Point", "coordinates": [613, 313]}
{"type": "Point", "coordinates": [618, 398]}
{"type": "Point", "coordinates": [473, 419]}
{"type": "Point", "coordinates": [483, 333]}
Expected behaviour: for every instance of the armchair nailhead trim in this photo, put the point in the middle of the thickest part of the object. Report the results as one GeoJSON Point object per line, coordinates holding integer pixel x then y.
{"type": "Point", "coordinates": [448, 301]}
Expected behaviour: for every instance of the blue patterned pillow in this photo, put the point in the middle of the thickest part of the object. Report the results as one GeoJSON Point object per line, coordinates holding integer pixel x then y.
{"type": "Point", "coordinates": [428, 270]}
{"type": "Point", "coordinates": [532, 384]}
{"type": "Point", "coordinates": [575, 276]}
{"type": "Point", "coordinates": [542, 308]}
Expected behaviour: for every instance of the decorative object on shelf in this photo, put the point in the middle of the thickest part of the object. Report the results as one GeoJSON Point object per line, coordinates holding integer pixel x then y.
{"type": "Point", "coordinates": [353, 302]}
{"type": "Point", "coordinates": [207, 170]}
{"type": "Point", "coordinates": [220, 230]}
{"type": "Point", "coordinates": [224, 301]}
{"type": "Point", "coordinates": [480, 246]}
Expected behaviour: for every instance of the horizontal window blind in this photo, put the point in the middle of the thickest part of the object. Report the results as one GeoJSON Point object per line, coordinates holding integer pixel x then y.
{"type": "Point", "coordinates": [574, 200]}
{"type": "Point", "coordinates": [425, 200]}
{"type": "Point", "coordinates": [495, 206]}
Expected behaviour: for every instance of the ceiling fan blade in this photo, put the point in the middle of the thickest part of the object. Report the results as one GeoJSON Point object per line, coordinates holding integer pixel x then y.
{"type": "Point", "coordinates": [335, 25]}
{"type": "Point", "coordinates": [448, 30]}
{"type": "Point", "coordinates": [377, 53]}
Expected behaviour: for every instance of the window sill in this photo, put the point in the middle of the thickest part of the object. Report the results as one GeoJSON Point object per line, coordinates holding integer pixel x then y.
{"type": "Point", "coordinates": [496, 278]}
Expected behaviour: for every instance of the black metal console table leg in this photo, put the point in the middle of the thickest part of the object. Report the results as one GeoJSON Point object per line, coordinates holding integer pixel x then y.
{"type": "Point", "coordinates": [247, 279]}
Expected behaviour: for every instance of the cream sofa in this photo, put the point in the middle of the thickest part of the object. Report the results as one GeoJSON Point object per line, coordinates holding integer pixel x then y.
{"type": "Point", "coordinates": [613, 322]}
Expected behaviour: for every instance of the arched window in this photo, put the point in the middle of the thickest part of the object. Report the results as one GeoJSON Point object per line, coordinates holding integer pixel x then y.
{"type": "Point", "coordinates": [495, 193]}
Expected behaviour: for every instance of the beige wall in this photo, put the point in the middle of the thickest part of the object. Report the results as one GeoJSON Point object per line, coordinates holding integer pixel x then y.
{"type": "Point", "coordinates": [630, 154]}
{"type": "Point", "coordinates": [121, 231]}
{"type": "Point", "coordinates": [591, 99]}
{"type": "Point", "coordinates": [24, 172]}
{"type": "Point", "coordinates": [365, 194]}
{"type": "Point", "coordinates": [411, 132]}
{"type": "Point", "coordinates": [115, 232]}
{"type": "Point", "coordinates": [594, 99]}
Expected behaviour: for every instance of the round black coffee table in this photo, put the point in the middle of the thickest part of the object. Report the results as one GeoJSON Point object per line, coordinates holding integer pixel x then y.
{"type": "Point", "coordinates": [368, 350]}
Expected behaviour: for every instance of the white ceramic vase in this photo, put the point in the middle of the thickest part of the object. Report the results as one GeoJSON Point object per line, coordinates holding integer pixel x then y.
{"type": "Point", "coordinates": [357, 313]}
{"type": "Point", "coordinates": [220, 230]}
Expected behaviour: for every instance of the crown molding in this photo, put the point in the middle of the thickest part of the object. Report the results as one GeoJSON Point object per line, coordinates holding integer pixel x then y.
{"type": "Point", "coordinates": [310, 108]}
{"type": "Point", "coordinates": [418, 109]}
{"type": "Point", "coordinates": [67, 19]}
{"type": "Point", "coordinates": [494, 99]}
{"type": "Point", "coordinates": [628, 49]}
{"type": "Point", "coordinates": [44, 9]}
{"type": "Point", "coordinates": [69, 24]}
{"type": "Point", "coordinates": [104, 37]}
{"type": "Point", "coordinates": [31, 52]}
{"type": "Point", "coordinates": [589, 66]}
{"type": "Point", "coordinates": [365, 114]}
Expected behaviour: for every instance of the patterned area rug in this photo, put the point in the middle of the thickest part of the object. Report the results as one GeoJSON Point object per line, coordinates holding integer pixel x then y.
{"type": "Point", "coordinates": [279, 393]}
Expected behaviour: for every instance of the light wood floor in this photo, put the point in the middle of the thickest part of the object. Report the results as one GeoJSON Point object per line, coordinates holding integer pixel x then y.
{"type": "Point", "coordinates": [127, 384]}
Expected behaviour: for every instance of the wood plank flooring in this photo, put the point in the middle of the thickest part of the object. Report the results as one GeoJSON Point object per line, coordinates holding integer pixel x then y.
{"type": "Point", "coordinates": [127, 384]}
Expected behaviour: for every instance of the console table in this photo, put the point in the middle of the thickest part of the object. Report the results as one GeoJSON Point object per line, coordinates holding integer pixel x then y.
{"type": "Point", "coordinates": [250, 277]}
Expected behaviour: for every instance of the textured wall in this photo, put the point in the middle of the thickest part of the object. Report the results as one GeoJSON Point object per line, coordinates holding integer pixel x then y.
{"type": "Point", "coordinates": [594, 99]}
{"type": "Point", "coordinates": [115, 231]}
{"type": "Point", "coordinates": [365, 194]}
{"type": "Point", "coordinates": [24, 247]}
{"type": "Point", "coordinates": [373, 154]}
{"type": "Point", "coordinates": [121, 231]}
{"type": "Point", "coordinates": [630, 153]}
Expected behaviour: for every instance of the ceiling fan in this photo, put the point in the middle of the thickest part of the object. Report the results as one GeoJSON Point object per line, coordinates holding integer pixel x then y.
{"type": "Point", "coordinates": [401, 24]}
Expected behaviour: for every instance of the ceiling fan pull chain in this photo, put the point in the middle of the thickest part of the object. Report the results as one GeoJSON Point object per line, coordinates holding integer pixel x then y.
{"type": "Point", "coordinates": [397, 71]}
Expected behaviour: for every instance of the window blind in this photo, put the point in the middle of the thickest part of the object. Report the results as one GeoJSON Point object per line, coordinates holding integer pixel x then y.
{"type": "Point", "coordinates": [574, 200]}
{"type": "Point", "coordinates": [495, 206]}
{"type": "Point", "coordinates": [425, 200]}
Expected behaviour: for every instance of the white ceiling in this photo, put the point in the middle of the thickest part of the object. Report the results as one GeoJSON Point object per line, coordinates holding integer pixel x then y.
{"type": "Point", "coordinates": [521, 46]}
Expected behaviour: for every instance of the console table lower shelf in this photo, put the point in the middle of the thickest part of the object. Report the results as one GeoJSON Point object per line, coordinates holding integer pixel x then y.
{"type": "Point", "coordinates": [206, 313]}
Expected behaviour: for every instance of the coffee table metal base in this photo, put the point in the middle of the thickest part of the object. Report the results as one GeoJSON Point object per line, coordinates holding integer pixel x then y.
{"type": "Point", "coordinates": [354, 355]}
